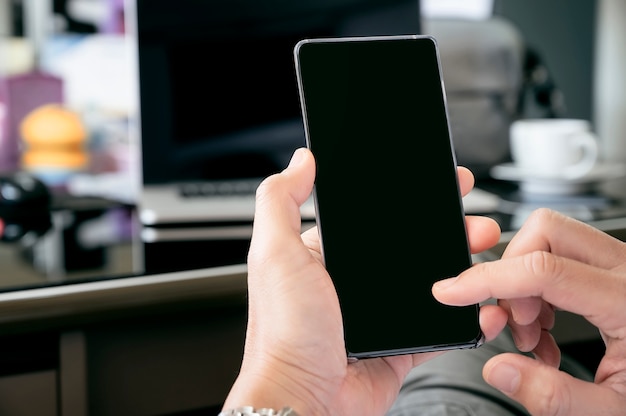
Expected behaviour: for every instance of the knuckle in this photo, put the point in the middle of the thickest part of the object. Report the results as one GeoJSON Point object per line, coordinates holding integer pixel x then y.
{"type": "Point", "coordinates": [267, 185]}
{"type": "Point", "coordinates": [549, 402]}
{"type": "Point", "coordinates": [541, 264]}
{"type": "Point", "coordinates": [543, 216]}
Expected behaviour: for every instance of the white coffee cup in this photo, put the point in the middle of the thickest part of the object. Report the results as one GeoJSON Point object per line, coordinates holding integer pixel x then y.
{"type": "Point", "coordinates": [554, 148]}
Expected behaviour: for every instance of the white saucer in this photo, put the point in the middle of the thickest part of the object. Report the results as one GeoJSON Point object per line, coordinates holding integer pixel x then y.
{"type": "Point", "coordinates": [532, 183]}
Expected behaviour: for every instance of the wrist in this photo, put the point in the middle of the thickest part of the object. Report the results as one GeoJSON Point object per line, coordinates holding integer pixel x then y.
{"type": "Point", "coordinates": [261, 391]}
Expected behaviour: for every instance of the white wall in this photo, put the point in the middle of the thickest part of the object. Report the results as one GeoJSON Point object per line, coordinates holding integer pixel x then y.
{"type": "Point", "coordinates": [610, 85]}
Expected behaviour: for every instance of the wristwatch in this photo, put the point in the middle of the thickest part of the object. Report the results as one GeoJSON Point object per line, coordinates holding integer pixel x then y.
{"type": "Point", "coordinates": [251, 411]}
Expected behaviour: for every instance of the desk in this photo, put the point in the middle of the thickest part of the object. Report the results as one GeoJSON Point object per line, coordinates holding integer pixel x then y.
{"type": "Point", "coordinates": [153, 345]}
{"type": "Point", "coordinates": [84, 330]}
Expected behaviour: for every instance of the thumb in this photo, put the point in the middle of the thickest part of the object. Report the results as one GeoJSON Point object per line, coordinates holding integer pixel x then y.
{"type": "Point", "coordinates": [545, 390]}
{"type": "Point", "coordinates": [277, 222]}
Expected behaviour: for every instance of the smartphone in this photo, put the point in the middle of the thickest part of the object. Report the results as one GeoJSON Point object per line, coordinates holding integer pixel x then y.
{"type": "Point", "coordinates": [388, 205]}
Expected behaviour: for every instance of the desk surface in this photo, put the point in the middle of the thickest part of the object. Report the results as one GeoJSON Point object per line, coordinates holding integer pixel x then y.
{"type": "Point", "coordinates": [92, 260]}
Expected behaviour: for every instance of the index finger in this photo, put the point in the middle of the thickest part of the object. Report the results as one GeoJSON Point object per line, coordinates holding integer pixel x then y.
{"type": "Point", "coordinates": [594, 293]}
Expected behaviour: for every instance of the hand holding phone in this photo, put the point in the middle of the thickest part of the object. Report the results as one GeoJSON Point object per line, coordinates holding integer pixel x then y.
{"type": "Point", "coordinates": [388, 206]}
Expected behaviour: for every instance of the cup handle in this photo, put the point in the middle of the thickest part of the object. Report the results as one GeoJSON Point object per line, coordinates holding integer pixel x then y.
{"type": "Point", "coordinates": [588, 144]}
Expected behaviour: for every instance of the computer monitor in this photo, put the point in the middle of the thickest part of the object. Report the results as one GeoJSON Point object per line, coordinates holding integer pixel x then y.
{"type": "Point", "coordinates": [217, 89]}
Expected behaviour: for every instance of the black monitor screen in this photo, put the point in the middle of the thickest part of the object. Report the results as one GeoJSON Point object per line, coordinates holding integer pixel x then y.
{"type": "Point", "coordinates": [218, 92]}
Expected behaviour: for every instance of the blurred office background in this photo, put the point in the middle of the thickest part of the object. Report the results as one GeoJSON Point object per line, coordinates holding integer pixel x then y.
{"type": "Point", "coordinates": [78, 55]}
{"type": "Point", "coordinates": [82, 42]}
{"type": "Point", "coordinates": [80, 46]}
{"type": "Point", "coordinates": [75, 54]}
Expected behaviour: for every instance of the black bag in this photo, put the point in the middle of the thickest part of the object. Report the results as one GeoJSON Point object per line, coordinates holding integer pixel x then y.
{"type": "Point", "coordinates": [491, 78]}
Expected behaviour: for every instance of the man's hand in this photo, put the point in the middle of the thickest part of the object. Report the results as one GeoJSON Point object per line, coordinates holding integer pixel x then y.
{"type": "Point", "coordinates": [553, 262]}
{"type": "Point", "coordinates": [295, 352]}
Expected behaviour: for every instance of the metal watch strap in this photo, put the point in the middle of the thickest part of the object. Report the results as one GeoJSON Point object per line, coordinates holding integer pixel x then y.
{"type": "Point", "coordinates": [251, 411]}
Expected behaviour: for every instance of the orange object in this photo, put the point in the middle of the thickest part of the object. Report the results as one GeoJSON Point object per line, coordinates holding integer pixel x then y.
{"type": "Point", "coordinates": [54, 138]}
{"type": "Point", "coordinates": [53, 158]}
{"type": "Point", "coordinates": [53, 125]}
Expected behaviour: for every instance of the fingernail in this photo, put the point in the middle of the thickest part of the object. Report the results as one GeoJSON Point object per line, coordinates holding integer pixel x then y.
{"type": "Point", "coordinates": [444, 284]}
{"type": "Point", "coordinates": [504, 377]}
{"type": "Point", "coordinates": [297, 157]}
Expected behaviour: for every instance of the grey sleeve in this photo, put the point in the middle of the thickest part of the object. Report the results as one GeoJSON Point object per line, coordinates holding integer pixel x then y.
{"type": "Point", "coordinates": [452, 385]}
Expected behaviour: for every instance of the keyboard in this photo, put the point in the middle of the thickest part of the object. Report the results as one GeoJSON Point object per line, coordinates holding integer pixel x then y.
{"type": "Point", "coordinates": [219, 188]}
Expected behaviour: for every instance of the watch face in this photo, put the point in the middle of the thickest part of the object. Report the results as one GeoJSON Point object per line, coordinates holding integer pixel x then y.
{"type": "Point", "coordinates": [251, 411]}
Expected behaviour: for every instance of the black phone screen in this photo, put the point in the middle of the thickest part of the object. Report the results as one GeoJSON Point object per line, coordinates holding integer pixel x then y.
{"type": "Point", "coordinates": [389, 210]}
